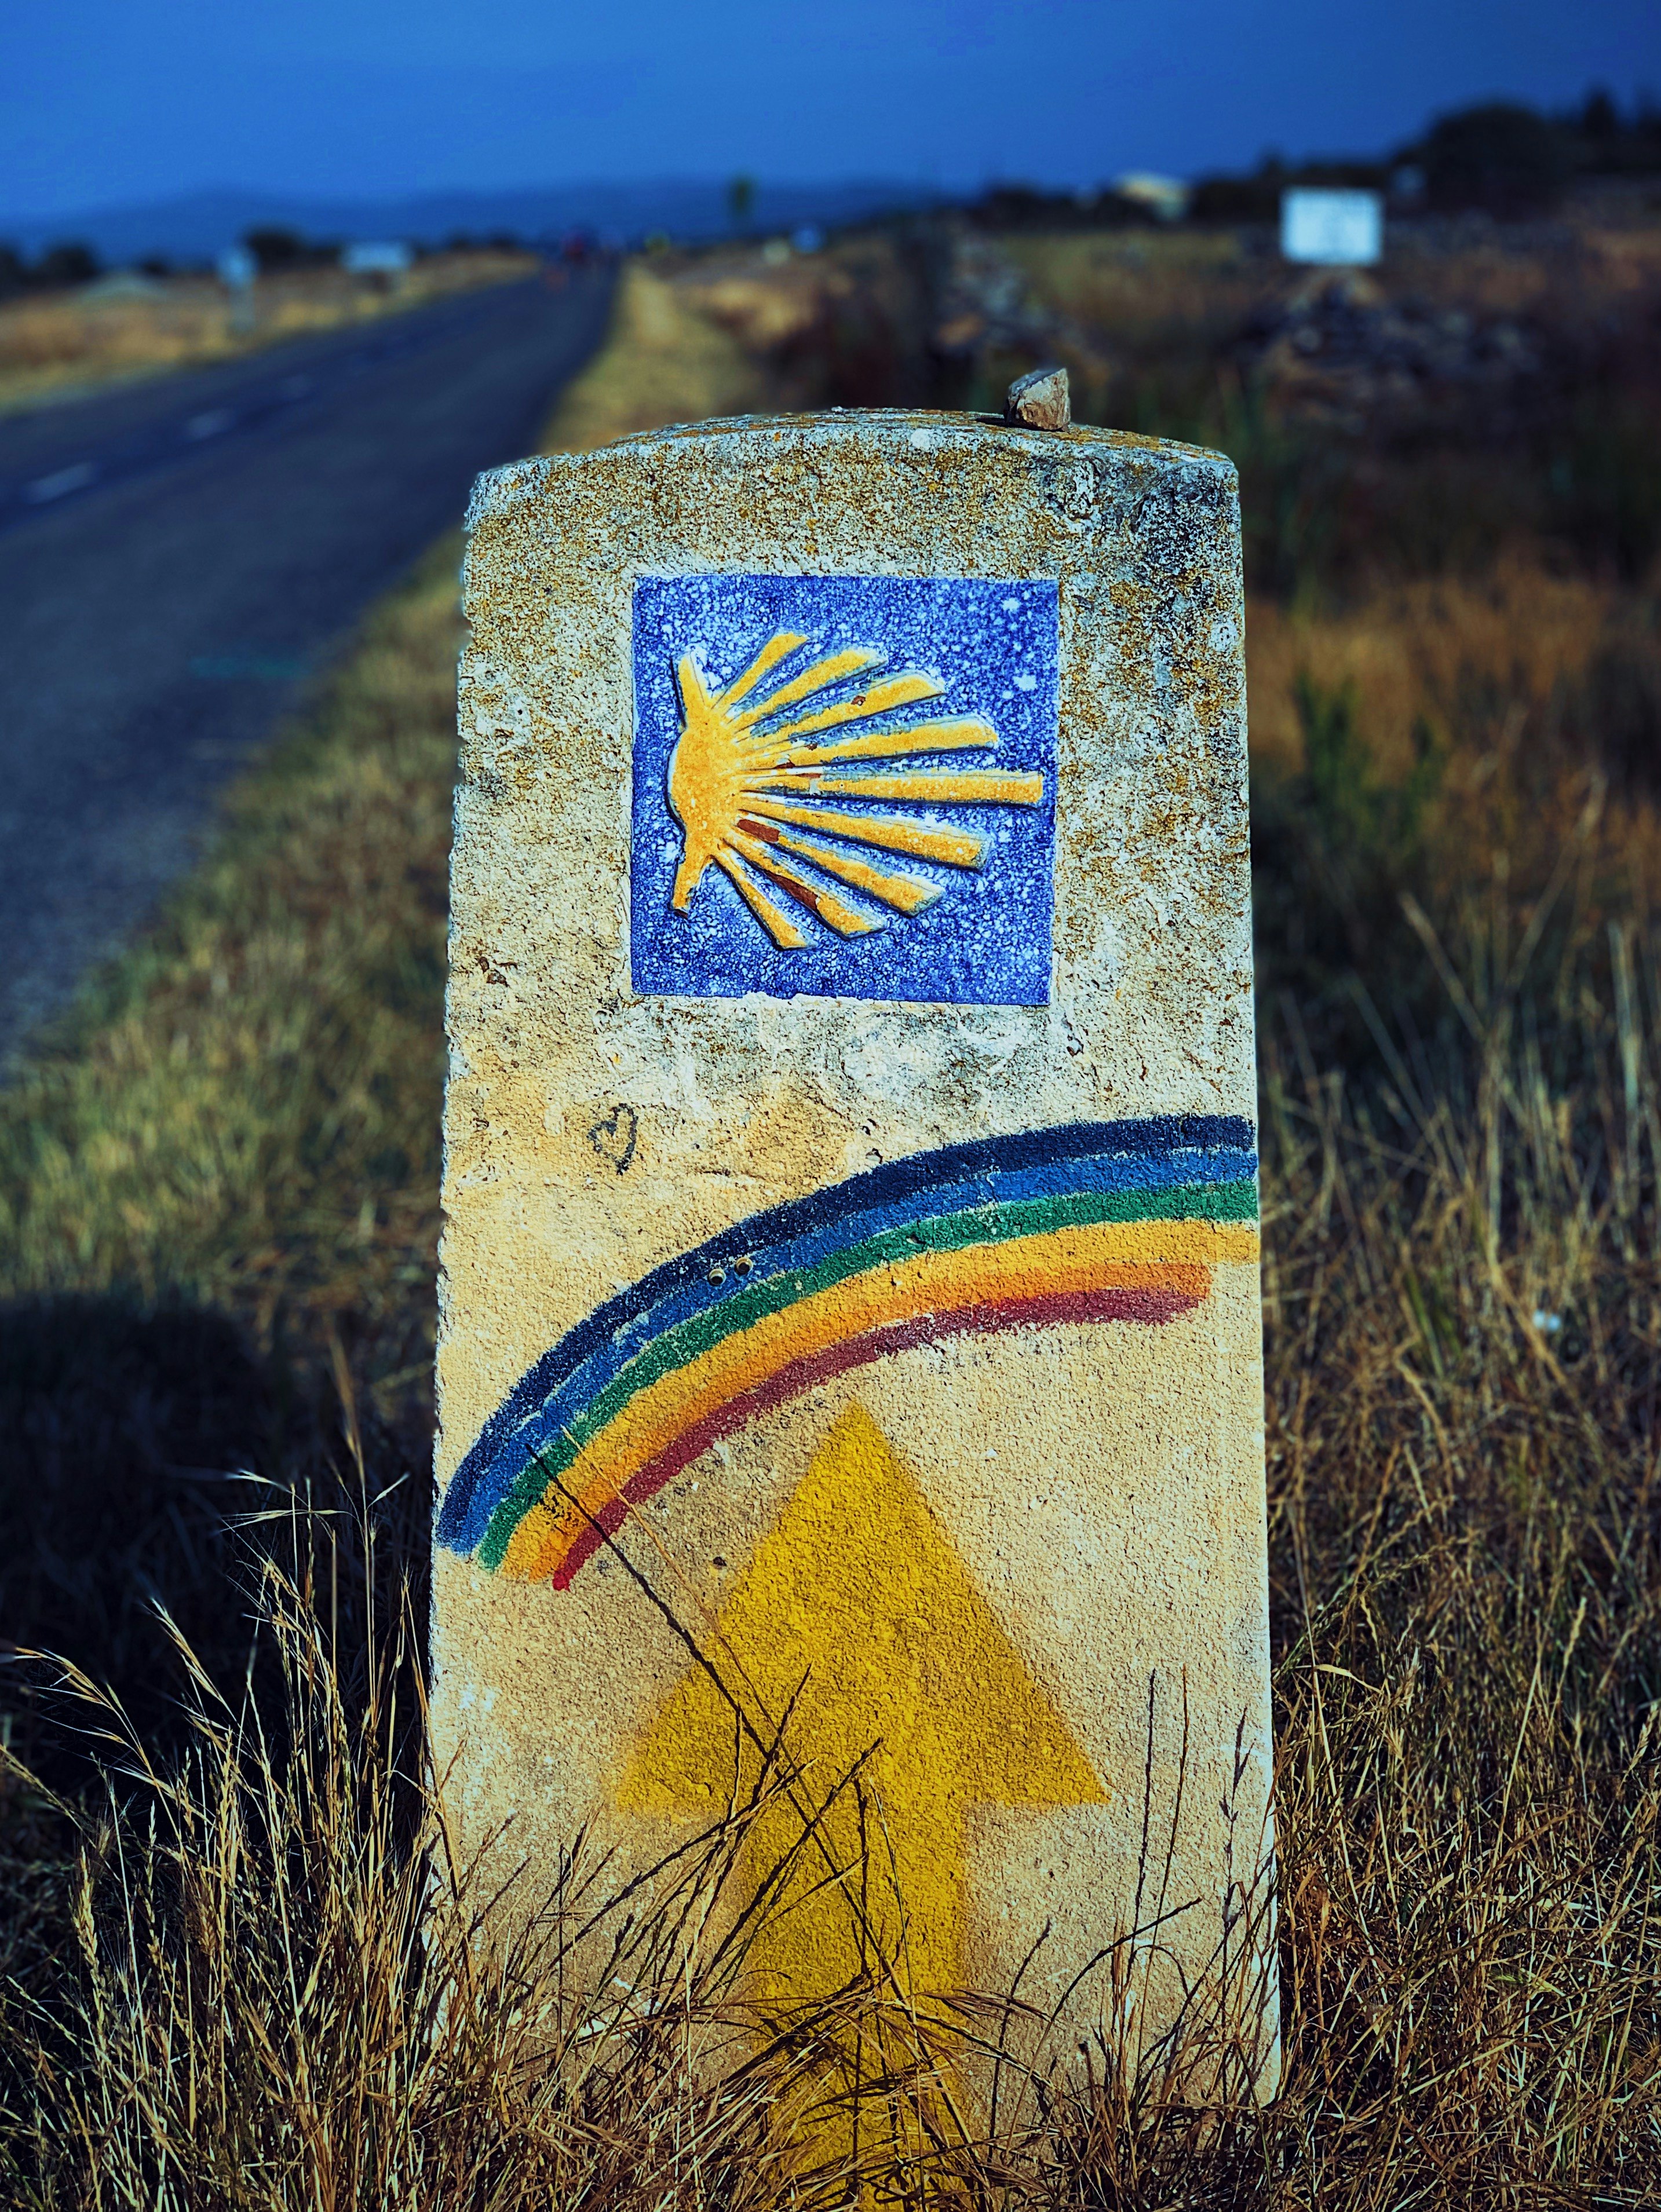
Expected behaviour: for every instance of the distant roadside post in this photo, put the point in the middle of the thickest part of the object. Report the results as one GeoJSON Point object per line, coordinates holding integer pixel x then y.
{"type": "Point", "coordinates": [849, 1363]}
{"type": "Point", "coordinates": [237, 268]}
{"type": "Point", "coordinates": [1332, 229]}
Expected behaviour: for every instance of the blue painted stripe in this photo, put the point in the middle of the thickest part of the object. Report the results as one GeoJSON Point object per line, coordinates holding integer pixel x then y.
{"type": "Point", "coordinates": [1104, 1157]}
{"type": "Point", "coordinates": [686, 1299]}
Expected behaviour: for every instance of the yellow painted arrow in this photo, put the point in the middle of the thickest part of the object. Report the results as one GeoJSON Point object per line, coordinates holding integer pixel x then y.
{"type": "Point", "coordinates": [857, 1608]}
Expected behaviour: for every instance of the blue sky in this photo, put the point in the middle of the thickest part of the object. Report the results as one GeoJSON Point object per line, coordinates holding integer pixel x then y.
{"type": "Point", "coordinates": [115, 100]}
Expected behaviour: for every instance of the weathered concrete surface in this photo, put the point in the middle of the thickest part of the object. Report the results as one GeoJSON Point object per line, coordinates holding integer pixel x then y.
{"type": "Point", "coordinates": [959, 1449]}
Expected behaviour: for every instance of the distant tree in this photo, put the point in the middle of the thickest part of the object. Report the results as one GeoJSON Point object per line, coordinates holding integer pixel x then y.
{"type": "Point", "coordinates": [1257, 198]}
{"type": "Point", "coordinates": [1500, 157]}
{"type": "Point", "coordinates": [1607, 144]}
{"type": "Point", "coordinates": [1342, 173]}
{"type": "Point", "coordinates": [156, 264]}
{"type": "Point", "coordinates": [12, 273]}
{"type": "Point", "coordinates": [69, 263]}
{"type": "Point", "coordinates": [503, 241]}
{"type": "Point", "coordinates": [740, 201]}
{"type": "Point", "coordinates": [1235, 199]}
{"type": "Point", "coordinates": [1599, 120]}
{"type": "Point", "coordinates": [275, 247]}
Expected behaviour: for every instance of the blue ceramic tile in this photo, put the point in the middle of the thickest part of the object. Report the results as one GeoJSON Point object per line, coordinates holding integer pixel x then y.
{"type": "Point", "coordinates": [870, 813]}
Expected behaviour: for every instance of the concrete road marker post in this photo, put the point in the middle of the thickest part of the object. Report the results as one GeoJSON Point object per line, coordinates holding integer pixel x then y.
{"type": "Point", "coordinates": [850, 1360]}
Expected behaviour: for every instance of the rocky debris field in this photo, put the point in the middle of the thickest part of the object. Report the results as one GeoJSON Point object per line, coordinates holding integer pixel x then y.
{"type": "Point", "coordinates": [1343, 351]}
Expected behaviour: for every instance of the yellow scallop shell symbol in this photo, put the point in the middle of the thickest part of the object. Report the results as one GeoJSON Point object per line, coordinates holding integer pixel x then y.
{"type": "Point", "coordinates": [745, 784]}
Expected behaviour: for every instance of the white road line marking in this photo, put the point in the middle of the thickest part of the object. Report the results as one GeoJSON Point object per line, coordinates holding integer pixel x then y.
{"type": "Point", "coordinates": [60, 483]}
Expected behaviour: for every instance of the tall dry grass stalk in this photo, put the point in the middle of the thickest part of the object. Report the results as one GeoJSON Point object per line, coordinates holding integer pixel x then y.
{"type": "Point", "coordinates": [278, 1992]}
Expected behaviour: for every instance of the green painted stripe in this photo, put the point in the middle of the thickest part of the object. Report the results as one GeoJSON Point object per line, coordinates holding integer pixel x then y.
{"type": "Point", "coordinates": [997, 1224]}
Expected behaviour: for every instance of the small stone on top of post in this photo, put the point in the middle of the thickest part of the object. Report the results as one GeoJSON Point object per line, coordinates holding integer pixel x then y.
{"type": "Point", "coordinates": [1040, 400]}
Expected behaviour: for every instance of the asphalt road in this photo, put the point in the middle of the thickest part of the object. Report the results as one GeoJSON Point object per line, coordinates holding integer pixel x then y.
{"type": "Point", "coordinates": [180, 559]}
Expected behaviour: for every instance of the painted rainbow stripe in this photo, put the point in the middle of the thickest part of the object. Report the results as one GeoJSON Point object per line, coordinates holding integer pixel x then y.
{"type": "Point", "coordinates": [1096, 1221]}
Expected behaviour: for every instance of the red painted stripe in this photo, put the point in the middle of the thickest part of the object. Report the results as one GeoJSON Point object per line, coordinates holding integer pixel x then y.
{"type": "Point", "coordinates": [989, 1317]}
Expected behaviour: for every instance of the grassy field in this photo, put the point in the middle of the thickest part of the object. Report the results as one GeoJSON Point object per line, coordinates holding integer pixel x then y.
{"type": "Point", "coordinates": [57, 345]}
{"type": "Point", "coordinates": [237, 1981]}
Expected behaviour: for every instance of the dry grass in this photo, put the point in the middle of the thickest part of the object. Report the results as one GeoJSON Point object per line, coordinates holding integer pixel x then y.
{"type": "Point", "coordinates": [280, 1996]}
{"type": "Point", "coordinates": [67, 343]}
{"type": "Point", "coordinates": [1145, 290]}
{"type": "Point", "coordinates": [661, 364]}
{"type": "Point", "coordinates": [279, 1990]}
{"type": "Point", "coordinates": [252, 1979]}
{"type": "Point", "coordinates": [1465, 1349]}
{"type": "Point", "coordinates": [1152, 287]}
{"type": "Point", "coordinates": [727, 334]}
{"type": "Point", "coordinates": [843, 328]}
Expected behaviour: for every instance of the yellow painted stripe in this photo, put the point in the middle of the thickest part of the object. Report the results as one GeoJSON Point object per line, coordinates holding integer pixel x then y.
{"type": "Point", "coordinates": [877, 699]}
{"type": "Point", "coordinates": [957, 848]}
{"type": "Point", "coordinates": [846, 920]}
{"type": "Point", "coordinates": [908, 894]}
{"type": "Point", "coordinates": [847, 662]}
{"type": "Point", "coordinates": [979, 786]}
{"type": "Point", "coordinates": [1103, 1254]}
{"type": "Point", "coordinates": [779, 926]}
{"type": "Point", "coordinates": [778, 647]}
{"type": "Point", "coordinates": [885, 744]}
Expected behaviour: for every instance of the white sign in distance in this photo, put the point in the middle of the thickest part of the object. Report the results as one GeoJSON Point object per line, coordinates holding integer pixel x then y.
{"type": "Point", "coordinates": [388, 256]}
{"type": "Point", "coordinates": [1332, 230]}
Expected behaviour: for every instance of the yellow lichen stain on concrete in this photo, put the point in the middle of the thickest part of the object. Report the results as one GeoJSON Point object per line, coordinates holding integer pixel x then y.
{"type": "Point", "coordinates": [856, 1639]}
{"type": "Point", "coordinates": [496, 1103]}
{"type": "Point", "coordinates": [786, 1141]}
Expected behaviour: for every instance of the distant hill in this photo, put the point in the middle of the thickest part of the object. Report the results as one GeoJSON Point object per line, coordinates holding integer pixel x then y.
{"type": "Point", "coordinates": [197, 225]}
